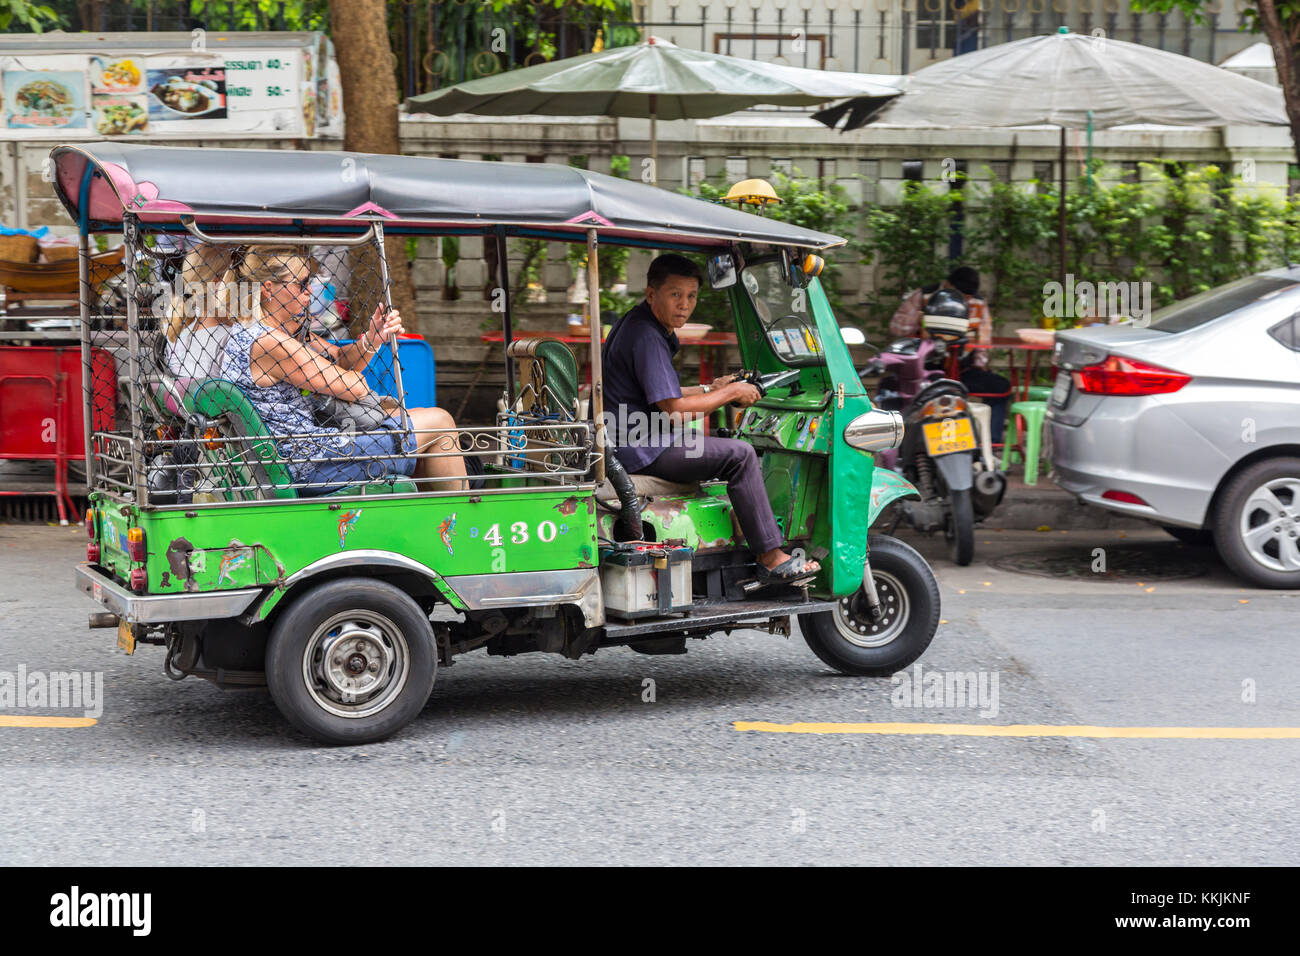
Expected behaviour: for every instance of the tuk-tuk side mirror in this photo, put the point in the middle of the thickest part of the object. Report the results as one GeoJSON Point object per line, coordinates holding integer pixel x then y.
{"type": "Point", "coordinates": [722, 271]}
{"type": "Point", "coordinates": [852, 336]}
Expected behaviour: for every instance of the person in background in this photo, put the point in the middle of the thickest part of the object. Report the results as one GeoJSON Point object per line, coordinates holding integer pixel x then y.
{"type": "Point", "coordinates": [975, 374]}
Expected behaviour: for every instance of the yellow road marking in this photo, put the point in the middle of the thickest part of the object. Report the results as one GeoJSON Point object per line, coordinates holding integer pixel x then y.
{"type": "Point", "coordinates": [1026, 730]}
{"type": "Point", "coordinates": [15, 720]}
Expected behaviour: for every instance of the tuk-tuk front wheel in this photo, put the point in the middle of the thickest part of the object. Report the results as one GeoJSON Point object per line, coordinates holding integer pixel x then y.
{"type": "Point", "coordinates": [351, 661]}
{"type": "Point", "coordinates": [847, 638]}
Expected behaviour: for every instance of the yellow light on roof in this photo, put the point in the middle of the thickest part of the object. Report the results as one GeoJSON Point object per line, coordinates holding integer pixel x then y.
{"type": "Point", "coordinates": [753, 192]}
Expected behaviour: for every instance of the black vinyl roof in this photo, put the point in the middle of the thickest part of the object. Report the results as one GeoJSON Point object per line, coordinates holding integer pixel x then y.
{"type": "Point", "coordinates": [162, 184]}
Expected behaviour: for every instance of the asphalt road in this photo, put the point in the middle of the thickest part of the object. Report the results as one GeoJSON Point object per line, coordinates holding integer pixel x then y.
{"type": "Point", "coordinates": [536, 759]}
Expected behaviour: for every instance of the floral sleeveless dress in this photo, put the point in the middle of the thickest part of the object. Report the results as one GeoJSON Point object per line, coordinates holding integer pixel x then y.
{"type": "Point", "coordinates": [283, 408]}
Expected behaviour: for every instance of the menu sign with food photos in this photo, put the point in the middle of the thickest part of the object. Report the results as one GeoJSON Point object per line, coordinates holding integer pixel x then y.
{"type": "Point", "coordinates": [178, 94]}
{"type": "Point", "coordinates": [53, 100]}
{"type": "Point", "coordinates": [288, 92]}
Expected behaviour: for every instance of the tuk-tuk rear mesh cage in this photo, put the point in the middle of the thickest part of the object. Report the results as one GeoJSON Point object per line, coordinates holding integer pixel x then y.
{"type": "Point", "coordinates": [257, 372]}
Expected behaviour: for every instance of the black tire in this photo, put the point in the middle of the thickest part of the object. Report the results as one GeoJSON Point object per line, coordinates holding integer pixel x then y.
{"type": "Point", "coordinates": [391, 661]}
{"type": "Point", "coordinates": [959, 527]}
{"type": "Point", "coordinates": [1261, 563]}
{"type": "Point", "coordinates": [1197, 537]}
{"type": "Point", "coordinates": [842, 638]}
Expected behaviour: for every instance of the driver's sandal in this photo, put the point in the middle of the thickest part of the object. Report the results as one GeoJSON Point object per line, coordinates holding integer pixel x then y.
{"type": "Point", "coordinates": [793, 572]}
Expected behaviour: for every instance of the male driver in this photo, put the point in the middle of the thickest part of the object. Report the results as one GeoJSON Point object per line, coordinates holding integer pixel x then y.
{"type": "Point", "coordinates": [640, 380]}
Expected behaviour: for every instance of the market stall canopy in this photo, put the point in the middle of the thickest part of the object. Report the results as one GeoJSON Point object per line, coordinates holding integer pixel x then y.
{"type": "Point", "coordinates": [162, 184]}
{"type": "Point", "coordinates": [1070, 80]}
{"type": "Point", "coordinates": [652, 79]}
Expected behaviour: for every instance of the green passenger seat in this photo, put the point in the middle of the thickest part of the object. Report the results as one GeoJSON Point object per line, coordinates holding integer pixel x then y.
{"type": "Point", "coordinates": [252, 460]}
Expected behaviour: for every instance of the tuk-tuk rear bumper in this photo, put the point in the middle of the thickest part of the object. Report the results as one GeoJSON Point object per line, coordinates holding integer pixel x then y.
{"type": "Point", "coordinates": [161, 608]}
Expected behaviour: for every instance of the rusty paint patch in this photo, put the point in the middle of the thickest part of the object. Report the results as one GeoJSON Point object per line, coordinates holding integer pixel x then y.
{"type": "Point", "coordinates": [586, 552]}
{"type": "Point", "coordinates": [585, 564]}
{"type": "Point", "coordinates": [178, 557]}
{"type": "Point", "coordinates": [166, 581]}
{"type": "Point", "coordinates": [669, 509]}
{"type": "Point", "coordinates": [568, 506]}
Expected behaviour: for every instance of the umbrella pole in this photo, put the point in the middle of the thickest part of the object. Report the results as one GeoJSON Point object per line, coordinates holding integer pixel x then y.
{"type": "Point", "coordinates": [654, 144]}
{"type": "Point", "coordinates": [1060, 224]}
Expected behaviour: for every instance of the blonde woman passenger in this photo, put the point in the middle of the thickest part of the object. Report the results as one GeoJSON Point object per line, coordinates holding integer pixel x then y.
{"type": "Point", "coordinates": [200, 315]}
{"type": "Point", "coordinates": [268, 359]}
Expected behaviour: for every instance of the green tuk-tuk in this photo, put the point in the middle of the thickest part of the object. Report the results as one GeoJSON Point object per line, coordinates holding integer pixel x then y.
{"type": "Point", "coordinates": [211, 535]}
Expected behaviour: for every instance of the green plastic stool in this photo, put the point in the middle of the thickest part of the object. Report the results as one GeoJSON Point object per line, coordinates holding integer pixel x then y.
{"type": "Point", "coordinates": [1033, 413]}
{"type": "Point", "coordinates": [1039, 393]}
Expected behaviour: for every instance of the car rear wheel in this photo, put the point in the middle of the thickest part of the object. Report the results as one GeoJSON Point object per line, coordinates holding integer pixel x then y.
{"type": "Point", "coordinates": [1257, 526]}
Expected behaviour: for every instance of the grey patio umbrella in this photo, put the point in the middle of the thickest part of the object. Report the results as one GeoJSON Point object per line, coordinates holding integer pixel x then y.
{"type": "Point", "coordinates": [652, 80]}
{"type": "Point", "coordinates": [1072, 81]}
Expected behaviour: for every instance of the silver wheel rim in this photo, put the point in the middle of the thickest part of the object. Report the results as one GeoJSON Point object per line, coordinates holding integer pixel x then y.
{"type": "Point", "coordinates": [894, 603]}
{"type": "Point", "coordinates": [1269, 524]}
{"type": "Point", "coordinates": [356, 663]}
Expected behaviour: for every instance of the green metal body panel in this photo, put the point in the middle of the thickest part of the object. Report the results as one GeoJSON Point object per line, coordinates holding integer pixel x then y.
{"type": "Point", "coordinates": [264, 544]}
{"type": "Point", "coordinates": [887, 486]}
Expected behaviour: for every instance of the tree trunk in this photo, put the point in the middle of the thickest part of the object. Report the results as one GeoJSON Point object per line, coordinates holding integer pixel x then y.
{"type": "Point", "coordinates": [359, 29]}
{"type": "Point", "coordinates": [1282, 37]}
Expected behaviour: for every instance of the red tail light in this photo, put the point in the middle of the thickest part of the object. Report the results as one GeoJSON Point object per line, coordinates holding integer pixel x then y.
{"type": "Point", "coordinates": [1125, 496]}
{"type": "Point", "coordinates": [1125, 376]}
{"type": "Point", "coordinates": [135, 549]}
{"type": "Point", "coordinates": [92, 552]}
{"type": "Point", "coordinates": [139, 580]}
{"type": "Point", "coordinates": [90, 523]}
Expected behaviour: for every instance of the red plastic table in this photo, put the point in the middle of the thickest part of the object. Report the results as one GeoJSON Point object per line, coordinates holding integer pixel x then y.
{"type": "Point", "coordinates": [1019, 384]}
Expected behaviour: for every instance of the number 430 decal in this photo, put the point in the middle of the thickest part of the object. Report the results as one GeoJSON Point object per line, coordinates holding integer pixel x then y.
{"type": "Point", "coordinates": [546, 531]}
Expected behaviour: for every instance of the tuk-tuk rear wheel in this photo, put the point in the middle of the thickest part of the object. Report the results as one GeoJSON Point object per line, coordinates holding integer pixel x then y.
{"type": "Point", "coordinates": [351, 661]}
{"type": "Point", "coordinates": [848, 640]}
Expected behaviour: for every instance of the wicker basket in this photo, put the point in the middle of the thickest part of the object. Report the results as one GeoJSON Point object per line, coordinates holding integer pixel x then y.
{"type": "Point", "coordinates": [19, 248]}
{"type": "Point", "coordinates": [58, 253]}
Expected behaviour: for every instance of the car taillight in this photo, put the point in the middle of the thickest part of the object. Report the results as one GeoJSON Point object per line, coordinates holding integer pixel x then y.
{"type": "Point", "coordinates": [90, 523]}
{"type": "Point", "coordinates": [92, 552]}
{"type": "Point", "coordinates": [1127, 497]}
{"type": "Point", "coordinates": [139, 580]}
{"type": "Point", "coordinates": [135, 544]}
{"type": "Point", "coordinates": [1125, 376]}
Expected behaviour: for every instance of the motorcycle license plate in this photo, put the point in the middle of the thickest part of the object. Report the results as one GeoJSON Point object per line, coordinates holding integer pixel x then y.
{"type": "Point", "coordinates": [1061, 390]}
{"type": "Point", "coordinates": [946, 437]}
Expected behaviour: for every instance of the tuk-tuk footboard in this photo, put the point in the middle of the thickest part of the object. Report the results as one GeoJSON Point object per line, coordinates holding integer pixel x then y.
{"type": "Point", "coordinates": [707, 617]}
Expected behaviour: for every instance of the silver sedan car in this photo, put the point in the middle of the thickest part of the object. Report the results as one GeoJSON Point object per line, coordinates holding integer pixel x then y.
{"type": "Point", "coordinates": [1193, 421]}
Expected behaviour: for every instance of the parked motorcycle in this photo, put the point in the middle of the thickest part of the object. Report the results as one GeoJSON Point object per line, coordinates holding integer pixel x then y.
{"type": "Point", "coordinates": [940, 453]}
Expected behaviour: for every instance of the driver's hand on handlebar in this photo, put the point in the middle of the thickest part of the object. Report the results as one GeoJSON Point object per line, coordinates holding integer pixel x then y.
{"type": "Point", "coordinates": [746, 394]}
{"type": "Point", "coordinates": [724, 380]}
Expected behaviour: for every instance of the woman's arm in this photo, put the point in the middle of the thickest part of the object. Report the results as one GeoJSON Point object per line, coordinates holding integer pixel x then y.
{"type": "Point", "coordinates": [278, 358]}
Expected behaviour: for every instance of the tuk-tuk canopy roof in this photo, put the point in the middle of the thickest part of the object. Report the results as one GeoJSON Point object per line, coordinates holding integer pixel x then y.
{"type": "Point", "coordinates": [270, 187]}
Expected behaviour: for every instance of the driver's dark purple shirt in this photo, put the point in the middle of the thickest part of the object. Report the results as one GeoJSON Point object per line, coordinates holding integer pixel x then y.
{"type": "Point", "coordinates": [637, 362]}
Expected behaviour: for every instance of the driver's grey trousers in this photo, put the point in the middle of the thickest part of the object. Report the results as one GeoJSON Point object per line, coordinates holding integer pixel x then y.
{"type": "Point", "coordinates": [735, 463]}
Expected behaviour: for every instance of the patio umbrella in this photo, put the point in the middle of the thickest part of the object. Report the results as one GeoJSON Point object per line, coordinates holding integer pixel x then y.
{"type": "Point", "coordinates": [1067, 79]}
{"type": "Point", "coordinates": [652, 80]}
